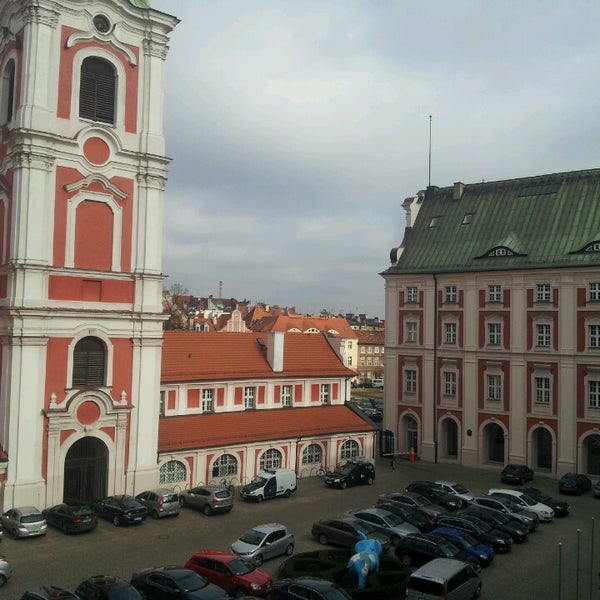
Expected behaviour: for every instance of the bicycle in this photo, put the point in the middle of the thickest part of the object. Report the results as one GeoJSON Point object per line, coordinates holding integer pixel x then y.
{"type": "Point", "coordinates": [228, 484]}
{"type": "Point", "coordinates": [321, 471]}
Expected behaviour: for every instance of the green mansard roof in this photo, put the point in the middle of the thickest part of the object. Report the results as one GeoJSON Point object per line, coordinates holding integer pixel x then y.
{"type": "Point", "coordinates": [549, 221]}
{"type": "Point", "coordinates": [140, 3]}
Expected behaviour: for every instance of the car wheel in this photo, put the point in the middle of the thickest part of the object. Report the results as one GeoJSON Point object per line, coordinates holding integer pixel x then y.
{"type": "Point", "coordinates": [207, 510]}
{"type": "Point", "coordinates": [15, 534]}
{"type": "Point", "coordinates": [239, 593]}
{"type": "Point", "coordinates": [370, 481]}
{"type": "Point", "coordinates": [259, 498]}
{"type": "Point", "coordinates": [182, 502]}
{"type": "Point", "coordinates": [406, 560]}
{"type": "Point", "coordinates": [115, 521]}
{"type": "Point", "coordinates": [290, 549]}
{"type": "Point", "coordinates": [258, 560]}
{"type": "Point", "coordinates": [344, 485]}
{"type": "Point", "coordinates": [322, 539]}
{"type": "Point", "coordinates": [395, 540]}
{"type": "Point", "coordinates": [287, 493]}
{"type": "Point", "coordinates": [477, 591]}
{"type": "Point", "coordinates": [2, 580]}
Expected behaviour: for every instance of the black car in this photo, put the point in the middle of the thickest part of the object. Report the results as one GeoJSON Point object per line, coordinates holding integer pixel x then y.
{"type": "Point", "coordinates": [121, 510]}
{"type": "Point", "coordinates": [481, 531]}
{"type": "Point", "coordinates": [516, 474]}
{"type": "Point", "coordinates": [560, 507]}
{"type": "Point", "coordinates": [411, 514]}
{"type": "Point", "coordinates": [71, 518]}
{"type": "Point", "coordinates": [518, 531]}
{"type": "Point", "coordinates": [106, 587]}
{"type": "Point", "coordinates": [508, 509]}
{"type": "Point", "coordinates": [308, 587]}
{"type": "Point", "coordinates": [50, 593]}
{"type": "Point", "coordinates": [416, 549]}
{"type": "Point", "coordinates": [574, 483]}
{"type": "Point", "coordinates": [353, 472]}
{"type": "Point", "coordinates": [165, 583]}
{"type": "Point", "coordinates": [414, 500]}
{"type": "Point", "coordinates": [436, 494]}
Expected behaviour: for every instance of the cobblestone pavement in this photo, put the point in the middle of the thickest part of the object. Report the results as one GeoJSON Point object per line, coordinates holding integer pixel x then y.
{"type": "Point", "coordinates": [559, 562]}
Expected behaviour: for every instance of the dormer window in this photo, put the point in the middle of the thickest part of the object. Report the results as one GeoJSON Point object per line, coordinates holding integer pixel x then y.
{"type": "Point", "coordinates": [435, 221]}
{"type": "Point", "coordinates": [500, 252]}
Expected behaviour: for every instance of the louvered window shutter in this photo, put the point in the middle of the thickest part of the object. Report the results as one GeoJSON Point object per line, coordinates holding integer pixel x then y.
{"type": "Point", "coordinates": [89, 361]}
{"type": "Point", "coordinates": [97, 91]}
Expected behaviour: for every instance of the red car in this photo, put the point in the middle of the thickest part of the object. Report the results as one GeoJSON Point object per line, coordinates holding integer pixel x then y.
{"type": "Point", "coordinates": [227, 570]}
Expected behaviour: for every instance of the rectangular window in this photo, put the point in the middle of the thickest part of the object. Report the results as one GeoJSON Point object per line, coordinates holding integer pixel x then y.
{"type": "Point", "coordinates": [324, 393]}
{"type": "Point", "coordinates": [594, 394]}
{"type": "Point", "coordinates": [450, 333]}
{"type": "Point", "coordinates": [369, 361]}
{"type": "Point", "coordinates": [370, 350]}
{"type": "Point", "coordinates": [451, 294]}
{"type": "Point", "coordinates": [362, 361]}
{"type": "Point", "coordinates": [376, 349]}
{"type": "Point", "coordinates": [494, 387]}
{"type": "Point", "coordinates": [349, 361]}
{"type": "Point", "coordinates": [594, 292]}
{"type": "Point", "coordinates": [286, 395]}
{"type": "Point", "coordinates": [208, 397]}
{"type": "Point", "coordinates": [376, 361]}
{"type": "Point", "coordinates": [411, 332]}
{"type": "Point", "coordinates": [542, 390]}
{"type": "Point", "coordinates": [449, 383]}
{"type": "Point", "coordinates": [494, 293]}
{"type": "Point", "coordinates": [594, 336]}
{"type": "Point", "coordinates": [410, 381]}
{"type": "Point", "coordinates": [542, 335]}
{"type": "Point", "coordinates": [494, 334]}
{"type": "Point", "coordinates": [412, 295]}
{"type": "Point", "coordinates": [249, 396]}
{"type": "Point", "coordinates": [362, 350]}
{"type": "Point", "coordinates": [349, 345]}
{"type": "Point", "coordinates": [542, 292]}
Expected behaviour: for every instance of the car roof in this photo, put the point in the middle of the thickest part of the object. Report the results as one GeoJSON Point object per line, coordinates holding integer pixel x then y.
{"type": "Point", "coordinates": [269, 527]}
{"type": "Point", "coordinates": [216, 554]}
{"type": "Point", "coordinates": [27, 510]}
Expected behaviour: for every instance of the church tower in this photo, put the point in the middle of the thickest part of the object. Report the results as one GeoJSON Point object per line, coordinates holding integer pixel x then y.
{"type": "Point", "coordinates": [82, 176]}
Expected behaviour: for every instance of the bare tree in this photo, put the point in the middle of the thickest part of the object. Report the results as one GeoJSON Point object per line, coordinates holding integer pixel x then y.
{"type": "Point", "coordinates": [175, 305]}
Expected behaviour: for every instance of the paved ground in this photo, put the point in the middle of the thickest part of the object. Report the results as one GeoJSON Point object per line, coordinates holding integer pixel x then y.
{"type": "Point", "coordinates": [544, 568]}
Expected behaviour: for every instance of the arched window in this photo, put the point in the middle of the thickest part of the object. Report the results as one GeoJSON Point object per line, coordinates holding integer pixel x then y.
{"type": "Point", "coordinates": [312, 455]}
{"type": "Point", "coordinates": [349, 449]}
{"type": "Point", "coordinates": [270, 459]}
{"type": "Point", "coordinates": [225, 465]}
{"type": "Point", "coordinates": [89, 362]}
{"type": "Point", "coordinates": [97, 91]}
{"type": "Point", "coordinates": [172, 472]}
{"type": "Point", "coordinates": [8, 93]}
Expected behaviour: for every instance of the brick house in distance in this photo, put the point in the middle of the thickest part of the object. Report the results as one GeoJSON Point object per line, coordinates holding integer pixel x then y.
{"type": "Point", "coordinates": [371, 348]}
{"type": "Point", "coordinates": [493, 324]}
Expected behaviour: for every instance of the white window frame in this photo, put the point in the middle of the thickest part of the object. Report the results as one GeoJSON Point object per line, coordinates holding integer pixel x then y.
{"type": "Point", "coordinates": [494, 293]}
{"type": "Point", "coordinates": [594, 291]}
{"type": "Point", "coordinates": [593, 386]}
{"type": "Point", "coordinates": [410, 381]}
{"type": "Point", "coordinates": [494, 334]}
{"type": "Point", "coordinates": [542, 387]}
{"type": "Point", "coordinates": [494, 387]}
{"type": "Point", "coordinates": [249, 397]}
{"type": "Point", "coordinates": [450, 294]}
{"type": "Point", "coordinates": [594, 336]}
{"type": "Point", "coordinates": [543, 292]}
{"type": "Point", "coordinates": [286, 395]}
{"type": "Point", "coordinates": [543, 335]}
{"type": "Point", "coordinates": [208, 400]}
{"type": "Point", "coordinates": [325, 393]}
{"type": "Point", "coordinates": [450, 381]}
{"type": "Point", "coordinates": [411, 332]}
{"type": "Point", "coordinates": [450, 332]}
{"type": "Point", "coordinates": [412, 294]}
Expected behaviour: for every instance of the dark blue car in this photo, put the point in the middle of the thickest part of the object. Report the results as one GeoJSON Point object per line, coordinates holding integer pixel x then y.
{"type": "Point", "coordinates": [121, 510]}
{"type": "Point", "coordinates": [482, 552]}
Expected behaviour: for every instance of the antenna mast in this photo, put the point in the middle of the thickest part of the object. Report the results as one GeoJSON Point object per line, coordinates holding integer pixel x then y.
{"type": "Point", "coordinates": [429, 179]}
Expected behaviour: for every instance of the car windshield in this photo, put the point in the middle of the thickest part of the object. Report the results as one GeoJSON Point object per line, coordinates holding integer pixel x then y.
{"type": "Point", "coordinates": [191, 581]}
{"type": "Point", "coordinates": [80, 511]}
{"type": "Point", "coordinates": [459, 489]}
{"type": "Point", "coordinates": [131, 503]}
{"type": "Point", "coordinates": [123, 591]}
{"type": "Point", "coordinates": [366, 528]}
{"type": "Point", "coordinates": [345, 469]}
{"type": "Point", "coordinates": [241, 567]}
{"type": "Point", "coordinates": [528, 500]}
{"type": "Point", "coordinates": [33, 518]}
{"type": "Point", "coordinates": [470, 541]}
{"type": "Point", "coordinates": [511, 505]}
{"type": "Point", "coordinates": [222, 494]}
{"type": "Point", "coordinates": [258, 480]}
{"type": "Point", "coordinates": [253, 537]}
{"type": "Point", "coordinates": [334, 593]}
{"type": "Point", "coordinates": [393, 520]}
{"type": "Point", "coordinates": [420, 500]}
{"type": "Point", "coordinates": [448, 548]}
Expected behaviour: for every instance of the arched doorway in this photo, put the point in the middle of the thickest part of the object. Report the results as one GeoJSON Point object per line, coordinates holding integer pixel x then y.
{"type": "Point", "coordinates": [86, 471]}
{"type": "Point", "coordinates": [591, 447]}
{"type": "Point", "coordinates": [493, 442]}
{"type": "Point", "coordinates": [449, 444]}
{"type": "Point", "coordinates": [411, 434]}
{"type": "Point", "coordinates": [542, 448]}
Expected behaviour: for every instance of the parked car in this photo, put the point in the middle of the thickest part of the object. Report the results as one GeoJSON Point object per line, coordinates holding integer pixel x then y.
{"type": "Point", "coordinates": [159, 503]}
{"type": "Point", "coordinates": [263, 542]}
{"type": "Point", "coordinates": [416, 549]}
{"type": "Point", "coordinates": [210, 499]}
{"type": "Point", "coordinates": [234, 574]}
{"type": "Point", "coordinates": [481, 531]}
{"type": "Point", "coordinates": [516, 474]}
{"type": "Point", "coordinates": [271, 483]}
{"type": "Point", "coordinates": [345, 531]}
{"type": "Point", "coordinates": [452, 487]}
{"type": "Point", "coordinates": [518, 531]}
{"type": "Point", "coordinates": [5, 571]}
{"type": "Point", "coordinates": [510, 509]}
{"type": "Point", "coordinates": [411, 514]}
{"type": "Point", "coordinates": [545, 513]}
{"type": "Point", "coordinates": [391, 525]}
{"type": "Point", "coordinates": [443, 578]}
{"type": "Point", "coordinates": [415, 500]}
{"type": "Point", "coordinates": [165, 583]}
{"type": "Point", "coordinates": [50, 593]}
{"type": "Point", "coordinates": [71, 518]}
{"type": "Point", "coordinates": [121, 509]}
{"type": "Point", "coordinates": [436, 494]}
{"type": "Point", "coordinates": [353, 472]}
{"type": "Point", "coordinates": [574, 483]}
{"type": "Point", "coordinates": [482, 552]}
{"type": "Point", "coordinates": [24, 521]}
{"type": "Point", "coordinates": [106, 587]}
{"type": "Point", "coordinates": [597, 489]}
{"type": "Point", "coordinates": [308, 587]}
{"type": "Point", "coordinates": [560, 507]}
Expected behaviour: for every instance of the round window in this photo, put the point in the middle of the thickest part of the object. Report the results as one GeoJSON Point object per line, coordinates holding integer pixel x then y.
{"type": "Point", "coordinates": [101, 23]}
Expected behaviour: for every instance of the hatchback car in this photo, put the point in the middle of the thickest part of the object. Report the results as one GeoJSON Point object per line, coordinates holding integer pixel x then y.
{"type": "Point", "coordinates": [510, 509]}
{"type": "Point", "coordinates": [210, 499]}
{"type": "Point", "coordinates": [238, 577]}
{"type": "Point", "coordinates": [263, 542]}
{"type": "Point", "coordinates": [71, 518]}
{"type": "Point", "coordinates": [452, 487]}
{"type": "Point", "coordinates": [560, 507]}
{"type": "Point", "coordinates": [308, 587]}
{"type": "Point", "coordinates": [353, 472]}
{"type": "Point", "coordinates": [346, 531]}
{"type": "Point", "coordinates": [391, 525]}
{"type": "Point", "coordinates": [164, 583]}
{"type": "Point", "coordinates": [160, 503]}
{"type": "Point", "coordinates": [121, 510]}
{"type": "Point", "coordinates": [574, 483]}
{"type": "Point", "coordinates": [25, 521]}
{"type": "Point", "coordinates": [50, 593]}
{"type": "Point", "coordinates": [106, 587]}
{"type": "Point", "coordinates": [516, 474]}
{"type": "Point", "coordinates": [415, 500]}
{"type": "Point", "coordinates": [436, 494]}
{"type": "Point", "coordinates": [518, 531]}
{"type": "Point", "coordinates": [5, 571]}
{"type": "Point", "coordinates": [545, 513]}
{"type": "Point", "coordinates": [482, 552]}
{"type": "Point", "coordinates": [481, 531]}
{"type": "Point", "coordinates": [411, 514]}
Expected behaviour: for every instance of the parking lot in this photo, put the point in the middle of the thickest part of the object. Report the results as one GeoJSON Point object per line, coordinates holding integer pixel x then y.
{"type": "Point", "coordinates": [529, 571]}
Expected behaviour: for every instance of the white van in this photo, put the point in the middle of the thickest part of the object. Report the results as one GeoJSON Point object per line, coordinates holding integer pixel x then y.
{"type": "Point", "coordinates": [270, 484]}
{"type": "Point", "coordinates": [444, 578]}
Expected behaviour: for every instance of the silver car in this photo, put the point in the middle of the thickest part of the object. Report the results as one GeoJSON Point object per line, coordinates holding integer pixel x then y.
{"type": "Point", "coordinates": [5, 571]}
{"type": "Point", "coordinates": [263, 542]}
{"type": "Point", "coordinates": [386, 522]}
{"type": "Point", "coordinates": [25, 521]}
{"type": "Point", "coordinates": [209, 499]}
{"type": "Point", "coordinates": [160, 503]}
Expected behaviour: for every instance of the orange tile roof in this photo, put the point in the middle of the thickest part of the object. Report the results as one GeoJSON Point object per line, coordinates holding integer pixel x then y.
{"type": "Point", "coordinates": [210, 356]}
{"type": "Point", "coordinates": [242, 427]}
{"type": "Point", "coordinates": [304, 323]}
{"type": "Point", "coordinates": [371, 336]}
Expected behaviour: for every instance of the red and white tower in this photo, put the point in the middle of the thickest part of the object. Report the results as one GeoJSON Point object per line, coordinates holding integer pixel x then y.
{"type": "Point", "coordinates": [82, 175]}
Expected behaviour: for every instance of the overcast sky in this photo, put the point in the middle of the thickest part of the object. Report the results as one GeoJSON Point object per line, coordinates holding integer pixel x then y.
{"type": "Point", "coordinates": [298, 127]}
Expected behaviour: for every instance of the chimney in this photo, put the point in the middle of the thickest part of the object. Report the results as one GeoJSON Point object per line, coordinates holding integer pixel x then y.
{"type": "Point", "coordinates": [459, 188]}
{"type": "Point", "coordinates": [275, 350]}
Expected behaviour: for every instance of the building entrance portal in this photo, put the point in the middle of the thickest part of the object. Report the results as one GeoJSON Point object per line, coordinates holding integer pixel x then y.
{"type": "Point", "coordinates": [86, 471]}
